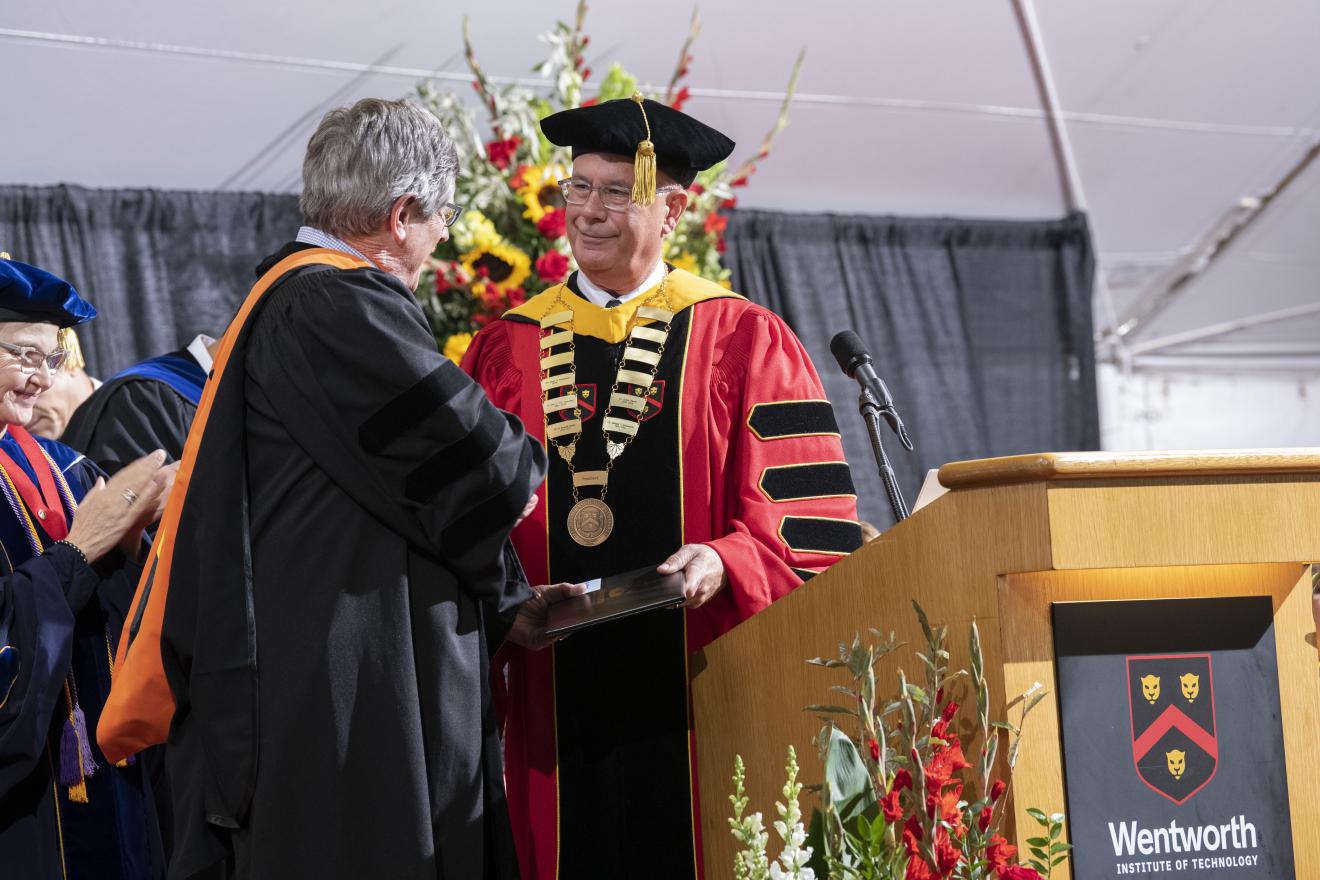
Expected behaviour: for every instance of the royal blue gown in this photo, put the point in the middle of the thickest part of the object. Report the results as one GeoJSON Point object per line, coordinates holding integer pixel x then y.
{"type": "Point", "coordinates": [60, 621]}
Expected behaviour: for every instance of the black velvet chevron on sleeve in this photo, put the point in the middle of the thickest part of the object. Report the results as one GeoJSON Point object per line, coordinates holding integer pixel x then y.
{"type": "Point", "coordinates": [793, 418]}
{"type": "Point", "coordinates": [794, 482]}
{"type": "Point", "coordinates": [813, 534]}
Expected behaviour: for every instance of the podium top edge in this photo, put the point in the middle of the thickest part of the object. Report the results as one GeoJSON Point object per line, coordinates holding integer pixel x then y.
{"type": "Point", "coordinates": [1050, 466]}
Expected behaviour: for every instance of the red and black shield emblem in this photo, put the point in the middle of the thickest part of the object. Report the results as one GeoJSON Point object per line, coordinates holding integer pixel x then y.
{"type": "Point", "coordinates": [654, 397]}
{"type": "Point", "coordinates": [1172, 703]}
{"type": "Point", "coordinates": [586, 402]}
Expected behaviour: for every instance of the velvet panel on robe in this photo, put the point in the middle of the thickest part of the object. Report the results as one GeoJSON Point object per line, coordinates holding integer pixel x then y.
{"type": "Point", "coordinates": [751, 466]}
{"type": "Point", "coordinates": [138, 411]}
{"type": "Point", "coordinates": [60, 616]}
{"type": "Point", "coordinates": [380, 489]}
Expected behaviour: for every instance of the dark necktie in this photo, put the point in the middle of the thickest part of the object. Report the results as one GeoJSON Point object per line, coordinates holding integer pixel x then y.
{"type": "Point", "coordinates": [612, 303]}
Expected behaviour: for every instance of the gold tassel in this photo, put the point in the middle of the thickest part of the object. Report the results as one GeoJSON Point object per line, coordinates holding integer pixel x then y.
{"type": "Point", "coordinates": [78, 792]}
{"type": "Point", "coordinates": [4, 255]}
{"type": "Point", "coordinates": [69, 342]}
{"type": "Point", "coordinates": [643, 189]}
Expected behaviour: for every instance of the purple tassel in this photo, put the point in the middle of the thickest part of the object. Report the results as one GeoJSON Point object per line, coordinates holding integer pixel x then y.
{"type": "Point", "coordinates": [74, 745]}
{"type": "Point", "coordinates": [70, 772]}
{"type": "Point", "coordinates": [80, 725]}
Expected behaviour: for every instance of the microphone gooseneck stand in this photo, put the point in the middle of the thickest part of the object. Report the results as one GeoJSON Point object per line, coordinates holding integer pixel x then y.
{"type": "Point", "coordinates": [872, 411]}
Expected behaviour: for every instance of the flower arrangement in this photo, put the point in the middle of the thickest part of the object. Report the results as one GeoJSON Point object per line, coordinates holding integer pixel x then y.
{"type": "Point", "coordinates": [908, 803]}
{"type": "Point", "coordinates": [510, 241]}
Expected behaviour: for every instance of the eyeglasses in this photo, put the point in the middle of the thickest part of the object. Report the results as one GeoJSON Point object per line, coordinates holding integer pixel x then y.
{"type": "Point", "coordinates": [31, 359]}
{"type": "Point", "coordinates": [614, 198]}
{"type": "Point", "coordinates": [449, 213]}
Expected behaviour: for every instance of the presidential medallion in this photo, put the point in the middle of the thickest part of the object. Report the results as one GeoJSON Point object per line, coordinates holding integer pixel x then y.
{"type": "Point", "coordinates": [590, 522]}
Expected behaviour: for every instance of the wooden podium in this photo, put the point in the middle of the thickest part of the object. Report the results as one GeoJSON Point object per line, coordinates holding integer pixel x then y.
{"type": "Point", "coordinates": [1011, 536]}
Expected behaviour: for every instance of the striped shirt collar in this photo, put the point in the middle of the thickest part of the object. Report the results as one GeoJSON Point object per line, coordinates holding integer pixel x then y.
{"type": "Point", "coordinates": [313, 236]}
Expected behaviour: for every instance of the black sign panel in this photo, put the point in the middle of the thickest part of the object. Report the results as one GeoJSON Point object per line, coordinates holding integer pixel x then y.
{"type": "Point", "coordinates": [1172, 743]}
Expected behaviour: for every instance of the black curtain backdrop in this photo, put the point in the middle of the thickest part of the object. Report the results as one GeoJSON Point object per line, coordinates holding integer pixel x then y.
{"type": "Point", "coordinates": [980, 328]}
{"type": "Point", "coordinates": [160, 266]}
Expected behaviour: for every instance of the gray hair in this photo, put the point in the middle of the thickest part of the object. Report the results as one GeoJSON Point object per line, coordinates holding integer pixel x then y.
{"type": "Point", "coordinates": [362, 158]}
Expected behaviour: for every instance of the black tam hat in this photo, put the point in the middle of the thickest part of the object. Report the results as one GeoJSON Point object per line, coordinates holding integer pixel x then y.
{"type": "Point", "coordinates": [655, 134]}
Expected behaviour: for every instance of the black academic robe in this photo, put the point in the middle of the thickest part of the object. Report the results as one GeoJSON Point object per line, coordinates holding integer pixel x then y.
{"type": "Point", "coordinates": [59, 622]}
{"type": "Point", "coordinates": [133, 414]}
{"type": "Point", "coordinates": [381, 486]}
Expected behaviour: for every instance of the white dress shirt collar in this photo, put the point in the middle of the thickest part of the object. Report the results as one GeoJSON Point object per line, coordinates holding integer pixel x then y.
{"type": "Point", "coordinates": [597, 295]}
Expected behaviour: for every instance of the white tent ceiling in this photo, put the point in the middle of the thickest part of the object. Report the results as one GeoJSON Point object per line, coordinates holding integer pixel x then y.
{"type": "Point", "coordinates": [1176, 110]}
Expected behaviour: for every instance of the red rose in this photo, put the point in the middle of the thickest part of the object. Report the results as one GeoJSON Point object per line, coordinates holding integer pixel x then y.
{"type": "Point", "coordinates": [552, 267]}
{"type": "Point", "coordinates": [997, 790]}
{"type": "Point", "coordinates": [875, 750]}
{"type": "Point", "coordinates": [715, 223]}
{"type": "Point", "coordinates": [890, 806]}
{"type": "Point", "coordinates": [553, 224]}
{"type": "Point", "coordinates": [441, 282]}
{"type": "Point", "coordinates": [516, 180]}
{"type": "Point", "coordinates": [1000, 854]}
{"type": "Point", "coordinates": [501, 153]}
{"type": "Point", "coordinates": [515, 296]}
{"type": "Point", "coordinates": [1019, 872]}
{"type": "Point", "coordinates": [983, 820]}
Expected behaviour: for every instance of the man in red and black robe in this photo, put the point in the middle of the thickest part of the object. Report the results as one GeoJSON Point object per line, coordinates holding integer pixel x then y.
{"type": "Point", "coordinates": [735, 476]}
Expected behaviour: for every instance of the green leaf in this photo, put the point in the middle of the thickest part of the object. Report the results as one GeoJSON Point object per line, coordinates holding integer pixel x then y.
{"type": "Point", "coordinates": [830, 664]}
{"type": "Point", "coordinates": [1038, 815]}
{"type": "Point", "coordinates": [849, 782]}
{"type": "Point", "coordinates": [1055, 829]}
{"type": "Point", "coordinates": [825, 707]}
{"type": "Point", "coordinates": [1059, 848]}
{"type": "Point", "coordinates": [1037, 841]}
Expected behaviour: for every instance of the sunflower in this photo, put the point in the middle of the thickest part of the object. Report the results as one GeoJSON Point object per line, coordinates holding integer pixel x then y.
{"type": "Point", "coordinates": [505, 266]}
{"type": "Point", "coordinates": [540, 189]}
{"type": "Point", "coordinates": [457, 345]}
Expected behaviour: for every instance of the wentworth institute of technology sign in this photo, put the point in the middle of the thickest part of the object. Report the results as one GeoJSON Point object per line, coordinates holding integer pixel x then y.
{"type": "Point", "coordinates": [1172, 743]}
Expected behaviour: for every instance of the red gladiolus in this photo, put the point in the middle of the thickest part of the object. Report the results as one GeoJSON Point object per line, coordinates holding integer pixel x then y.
{"type": "Point", "coordinates": [917, 869]}
{"type": "Point", "coordinates": [501, 153]}
{"type": "Point", "coordinates": [729, 204]}
{"type": "Point", "coordinates": [949, 711]}
{"type": "Point", "coordinates": [553, 224]}
{"type": "Point", "coordinates": [890, 806]}
{"type": "Point", "coordinates": [516, 180]}
{"type": "Point", "coordinates": [947, 856]}
{"type": "Point", "coordinates": [515, 296]}
{"type": "Point", "coordinates": [983, 820]}
{"type": "Point", "coordinates": [1019, 872]}
{"type": "Point", "coordinates": [715, 223]}
{"type": "Point", "coordinates": [939, 696]}
{"type": "Point", "coordinates": [552, 267]}
{"type": "Point", "coordinates": [696, 189]}
{"type": "Point", "coordinates": [902, 780]}
{"type": "Point", "coordinates": [943, 764]}
{"type": "Point", "coordinates": [586, 73]}
{"type": "Point", "coordinates": [997, 790]}
{"type": "Point", "coordinates": [875, 750]}
{"type": "Point", "coordinates": [739, 181]}
{"type": "Point", "coordinates": [1000, 854]}
{"type": "Point", "coordinates": [720, 246]}
{"type": "Point", "coordinates": [591, 102]}
{"type": "Point", "coordinates": [912, 836]}
{"type": "Point", "coordinates": [681, 98]}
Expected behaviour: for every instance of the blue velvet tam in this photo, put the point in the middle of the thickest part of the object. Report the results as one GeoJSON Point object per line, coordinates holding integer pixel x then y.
{"type": "Point", "coordinates": [31, 294]}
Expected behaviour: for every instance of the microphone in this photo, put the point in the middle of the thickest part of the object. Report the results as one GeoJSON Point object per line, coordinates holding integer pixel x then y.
{"type": "Point", "coordinates": [855, 361]}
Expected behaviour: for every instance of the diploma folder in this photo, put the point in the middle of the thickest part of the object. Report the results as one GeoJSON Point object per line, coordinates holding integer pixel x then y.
{"type": "Point", "coordinates": [618, 596]}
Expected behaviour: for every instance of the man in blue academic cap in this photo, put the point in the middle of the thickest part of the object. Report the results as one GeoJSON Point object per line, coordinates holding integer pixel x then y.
{"type": "Point", "coordinates": [64, 586]}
